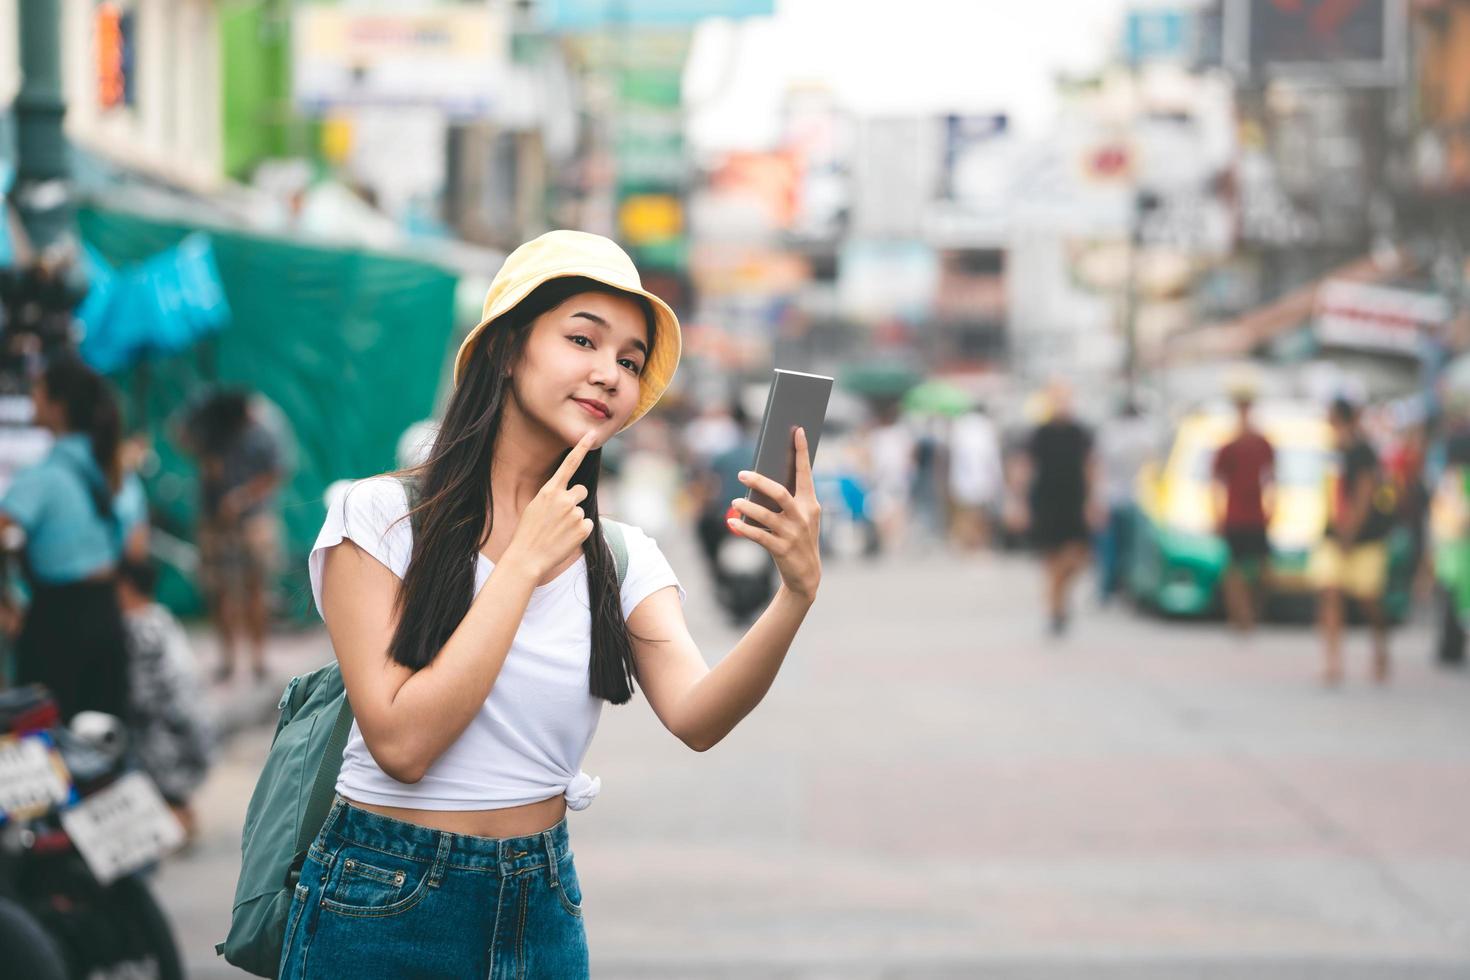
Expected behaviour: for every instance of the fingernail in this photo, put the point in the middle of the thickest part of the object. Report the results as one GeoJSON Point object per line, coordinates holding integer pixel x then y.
{"type": "Point", "coordinates": [744, 474]}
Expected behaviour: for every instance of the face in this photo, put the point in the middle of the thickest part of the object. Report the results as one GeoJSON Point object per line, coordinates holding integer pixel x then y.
{"type": "Point", "coordinates": [1059, 397]}
{"type": "Point", "coordinates": [589, 350]}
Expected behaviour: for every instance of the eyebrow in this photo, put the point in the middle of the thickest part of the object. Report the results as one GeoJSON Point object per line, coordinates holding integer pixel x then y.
{"type": "Point", "coordinates": [603, 323]}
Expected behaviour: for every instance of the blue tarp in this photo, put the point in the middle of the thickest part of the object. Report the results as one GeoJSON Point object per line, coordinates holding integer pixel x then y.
{"type": "Point", "coordinates": [162, 305]}
{"type": "Point", "coordinates": [7, 180]}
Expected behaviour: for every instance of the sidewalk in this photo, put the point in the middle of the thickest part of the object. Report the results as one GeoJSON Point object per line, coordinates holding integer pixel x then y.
{"type": "Point", "coordinates": [243, 703]}
{"type": "Point", "coordinates": [933, 789]}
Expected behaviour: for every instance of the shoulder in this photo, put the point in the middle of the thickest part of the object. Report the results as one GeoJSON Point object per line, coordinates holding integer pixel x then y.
{"type": "Point", "coordinates": [382, 496]}
{"type": "Point", "coordinates": [26, 497]}
{"type": "Point", "coordinates": [648, 569]}
{"type": "Point", "coordinates": [371, 514]}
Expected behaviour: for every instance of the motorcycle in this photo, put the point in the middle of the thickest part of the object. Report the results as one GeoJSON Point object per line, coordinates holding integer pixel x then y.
{"type": "Point", "coordinates": [744, 575]}
{"type": "Point", "coordinates": [78, 828]}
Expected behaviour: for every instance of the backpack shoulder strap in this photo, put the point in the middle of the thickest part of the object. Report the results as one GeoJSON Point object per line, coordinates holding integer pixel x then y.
{"type": "Point", "coordinates": [411, 491]}
{"type": "Point", "coordinates": [324, 786]}
{"type": "Point", "coordinates": [613, 532]}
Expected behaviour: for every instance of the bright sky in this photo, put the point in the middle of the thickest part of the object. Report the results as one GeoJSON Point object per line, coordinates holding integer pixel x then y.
{"type": "Point", "coordinates": [893, 56]}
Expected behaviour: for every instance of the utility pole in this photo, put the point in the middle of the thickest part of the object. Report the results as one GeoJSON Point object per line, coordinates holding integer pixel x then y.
{"type": "Point", "coordinates": [42, 169]}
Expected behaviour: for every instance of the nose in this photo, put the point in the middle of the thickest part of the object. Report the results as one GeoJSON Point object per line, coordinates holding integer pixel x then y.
{"type": "Point", "coordinates": [605, 372]}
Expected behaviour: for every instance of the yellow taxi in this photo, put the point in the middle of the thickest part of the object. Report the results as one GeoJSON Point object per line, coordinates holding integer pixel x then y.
{"type": "Point", "coordinates": [1178, 556]}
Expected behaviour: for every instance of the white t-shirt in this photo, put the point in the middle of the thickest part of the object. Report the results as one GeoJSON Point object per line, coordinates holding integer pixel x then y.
{"type": "Point", "coordinates": [529, 738]}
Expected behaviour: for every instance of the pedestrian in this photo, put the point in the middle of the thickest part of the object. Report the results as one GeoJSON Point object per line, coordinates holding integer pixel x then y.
{"type": "Point", "coordinates": [479, 637]}
{"type": "Point", "coordinates": [172, 736]}
{"type": "Point", "coordinates": [1124, 444]}
{"type": "Point", "coordinates": [892, 454]}
{"type": "Point", "coordinates": [975, 477]}
{"type": "Point", "coordinates": [1061, 507]}
{"type": "Point", "coordinates": [239, 531]}
{"type": "Point", "coordinates": [1245, 500]}
{"type": "Point", "coordinates": [80, 512]}
{"type": "Point", "coordinates": [1404, 464]}
{"type": "Point", "coordinates": [1352, 560]}
{"type": "Point", "coordinates": [715, 481]}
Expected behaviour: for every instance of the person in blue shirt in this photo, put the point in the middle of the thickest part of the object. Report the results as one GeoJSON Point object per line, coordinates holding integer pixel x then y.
{"type": "Point", "coordinates": [79, 513]}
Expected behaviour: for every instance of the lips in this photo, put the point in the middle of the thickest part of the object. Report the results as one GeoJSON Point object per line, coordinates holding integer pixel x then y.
{"type": "Point", "coordinates": [594, 407]}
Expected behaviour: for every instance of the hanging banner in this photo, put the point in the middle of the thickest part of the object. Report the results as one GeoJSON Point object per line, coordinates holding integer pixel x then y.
{"type": "Point", "coordinates": [450, 57]}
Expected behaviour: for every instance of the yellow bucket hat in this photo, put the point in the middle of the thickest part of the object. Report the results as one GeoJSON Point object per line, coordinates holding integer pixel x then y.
{"type": "Point", "coordinates": [558, 254]}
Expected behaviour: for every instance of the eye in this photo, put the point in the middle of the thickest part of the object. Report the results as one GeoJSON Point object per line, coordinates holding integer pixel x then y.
{"type": "Point", "coordinates": [581, 340]}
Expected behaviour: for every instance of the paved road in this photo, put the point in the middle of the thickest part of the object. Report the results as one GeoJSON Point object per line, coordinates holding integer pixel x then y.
{"type": "Point", "coordinates": [933, 789]}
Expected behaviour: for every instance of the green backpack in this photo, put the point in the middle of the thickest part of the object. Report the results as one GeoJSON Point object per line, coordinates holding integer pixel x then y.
{"type": "Point", "coordinates": [292, 796]}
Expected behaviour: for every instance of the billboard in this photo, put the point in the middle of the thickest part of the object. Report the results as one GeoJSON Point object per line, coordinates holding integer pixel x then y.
{"type": "Point", "coordinates": [575, 16]}
{"type": "Point", "coordinates": [449, 57]}
{"type": "Point", "coordinates": [1343, 41]}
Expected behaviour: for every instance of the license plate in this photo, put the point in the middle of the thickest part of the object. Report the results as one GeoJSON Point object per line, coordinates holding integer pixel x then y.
{"type": "Point", "coordinates": [122, 828]}
{"type": "Point", "coordinates": [33, 779]}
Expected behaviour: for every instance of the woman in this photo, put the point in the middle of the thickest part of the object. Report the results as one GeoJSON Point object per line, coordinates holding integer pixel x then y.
{"type": "Point", "coordinates": [239, 474]}
{"type": "Point", "coordinates": [78, 511]}
{"type": "Point", "coordinates": [479, 638]}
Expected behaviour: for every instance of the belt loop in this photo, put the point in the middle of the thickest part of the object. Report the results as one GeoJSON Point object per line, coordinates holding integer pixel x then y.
{"type": "Point", "coordinates": [337, 804]}
{"type": "Point", "coordinates": [441, 858]}
{"type": "Point", "coordinates": [551, 867]}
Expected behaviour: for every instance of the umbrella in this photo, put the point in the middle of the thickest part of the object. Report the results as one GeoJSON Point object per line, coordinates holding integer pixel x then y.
{"type": "Point", "coordinates": [881, 380]}
{"type": "Point", "coordinates": [937, 398]}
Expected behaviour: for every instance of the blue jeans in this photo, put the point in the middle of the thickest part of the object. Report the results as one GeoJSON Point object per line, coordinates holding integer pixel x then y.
{"type": "Point", "coordinates": [382, 898]}
{"type": "Point", "coordinates": [1114, 547]}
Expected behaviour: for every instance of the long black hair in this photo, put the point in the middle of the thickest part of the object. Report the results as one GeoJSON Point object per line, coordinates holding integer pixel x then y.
{"type": "Point", "coordinates": [90, 407]}
{"type": "Point", "coordinates": [452, 498]}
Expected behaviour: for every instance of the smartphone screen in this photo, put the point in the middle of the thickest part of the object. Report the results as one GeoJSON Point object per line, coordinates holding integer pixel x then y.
{"type": "Point", "coordinates": [796, 400]}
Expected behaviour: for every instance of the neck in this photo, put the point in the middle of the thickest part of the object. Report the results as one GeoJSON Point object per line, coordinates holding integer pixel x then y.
{"type": "Point", "coordinates": [525, 457]}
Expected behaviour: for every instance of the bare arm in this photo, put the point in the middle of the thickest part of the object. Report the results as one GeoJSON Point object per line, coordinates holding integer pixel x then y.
{"type": "Point", "coordinates": [1360, 499]}
{"type": "Point", "coordinates": [699, 705]}
{"type": "Point", "coordinates": [248, 494]}
{"type": "Point", "coordinates": [409, 718]}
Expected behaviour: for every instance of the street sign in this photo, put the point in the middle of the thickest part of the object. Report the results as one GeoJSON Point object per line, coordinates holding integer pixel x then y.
{"type": "Point", "coordinates": [1380, 318]}
{"type": "Point", "coordinates": [1159, 35]}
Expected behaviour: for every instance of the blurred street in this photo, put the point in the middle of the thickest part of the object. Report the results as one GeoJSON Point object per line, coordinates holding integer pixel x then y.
{"type": "Point", "coordinates": [1142, 798]}
{"type": "Point", "coordinates": [1128, 342]}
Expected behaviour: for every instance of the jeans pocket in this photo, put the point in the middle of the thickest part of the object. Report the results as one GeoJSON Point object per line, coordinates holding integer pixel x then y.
{"type": "Point", "coordinates": [567, 886]}
{"type": "Point", "coordinates": [367, 882]}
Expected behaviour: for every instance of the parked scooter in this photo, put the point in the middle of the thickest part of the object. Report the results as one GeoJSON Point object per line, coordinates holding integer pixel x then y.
{"type": "Point", "coordinates": [745, 576]}
{"type": "Point", "coordinates": [78, 827]}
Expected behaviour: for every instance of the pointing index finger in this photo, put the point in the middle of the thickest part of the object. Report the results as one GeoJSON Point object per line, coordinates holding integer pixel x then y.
{"type": "Point", "coordinates": [574, 459]}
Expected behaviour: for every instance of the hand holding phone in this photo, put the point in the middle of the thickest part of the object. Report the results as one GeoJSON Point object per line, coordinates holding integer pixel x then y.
{"type": "Point", "coordinates": [796, 400]}
{"type": "Point", "coordinates": [780, 511]}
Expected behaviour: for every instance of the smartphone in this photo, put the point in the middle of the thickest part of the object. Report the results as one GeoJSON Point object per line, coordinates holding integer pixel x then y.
{"type": "Point", "coordinates": [796, 400]}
